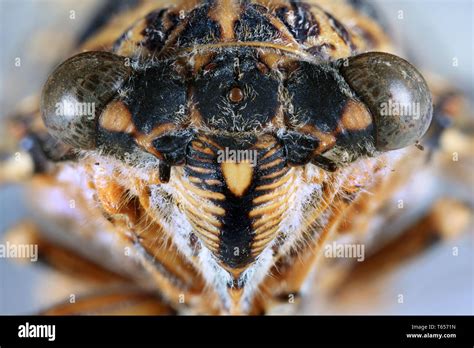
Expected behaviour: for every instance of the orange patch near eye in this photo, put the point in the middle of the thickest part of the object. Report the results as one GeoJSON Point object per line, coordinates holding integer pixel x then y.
{"type": "Point", "coordinates": [117, 118]}
{"type": "Point", "coordinates": [355, 116]}
{"type": "Point", "coordinates": [238, 176]}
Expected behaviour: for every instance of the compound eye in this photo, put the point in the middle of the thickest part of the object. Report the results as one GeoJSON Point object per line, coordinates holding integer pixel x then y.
{"type": "Point", "coordinates": [76, 93]}
{"type": "Point", "coordinates": [395, 93]}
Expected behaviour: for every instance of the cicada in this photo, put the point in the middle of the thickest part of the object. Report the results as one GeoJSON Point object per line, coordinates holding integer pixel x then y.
{"type": "Point", "coordinates": [223, 156]}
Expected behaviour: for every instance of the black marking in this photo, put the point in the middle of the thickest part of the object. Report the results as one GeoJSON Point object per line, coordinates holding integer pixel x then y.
{"type": "Point", "coordinates": [155, 34]}
{"type": "Point", "coordinates": [299, 21]}
{"type": "Point", "coordinates": [253, 25]}
{"type": "Point", "coordinates": [324, 163]}
{"type": "Point", "coordinates": [157, 96]}
{"type": "Point", "coordinates": [172, 146]}
{"type": "Point", "coordinates": [317, 96]}
{"type": "Point", "coordinates": [237, 233]}
{"type": "Point", "coordinates": [200, 29]}
{"type": "Point", "coordinates": [164, 172]}
{"type": "Point", "coordinates": [359, 141]}
{"type": "Point", "coordinates": [299, 147]}
{"type": "Point", "coordinates": [116, 144]}
{"type": "Point", "coordinates": [211, 91]}
{"type": "Point", "coordinates": [276, 155]}
{"type": "Point", "coordinates": [276, 168]}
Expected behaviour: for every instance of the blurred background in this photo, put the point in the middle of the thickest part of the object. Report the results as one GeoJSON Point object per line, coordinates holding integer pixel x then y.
{"type": "Point", "coordinates": [437, 35]}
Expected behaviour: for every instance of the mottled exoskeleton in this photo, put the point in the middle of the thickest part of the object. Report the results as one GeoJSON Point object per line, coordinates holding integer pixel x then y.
{"type": "Point", "coordinates": [221, 143]}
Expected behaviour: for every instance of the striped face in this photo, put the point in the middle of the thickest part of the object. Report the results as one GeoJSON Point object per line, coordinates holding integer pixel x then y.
{"type": "Point", "coordinates": [234, 142]}
{"type": "Point", "coordinates": [225, 107]}
{"type": "Point", "coordinates": [235, 195]}
{"type": "Point", "coordinates": [242, 129]}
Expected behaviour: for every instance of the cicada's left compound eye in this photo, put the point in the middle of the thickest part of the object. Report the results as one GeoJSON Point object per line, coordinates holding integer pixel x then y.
{"type": "Point", "coordinates": [395, 93]}
{"type": "Point", "coordinates": [76, 93]}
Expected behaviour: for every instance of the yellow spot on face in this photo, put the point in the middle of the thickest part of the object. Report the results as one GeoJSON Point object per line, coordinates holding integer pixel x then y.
{"type": "Point", "coordinates": [117, 118]}
{"type": "Point", "coordinates": [355, 116]}
{"type": "Point", "coordinates": [238, 176]}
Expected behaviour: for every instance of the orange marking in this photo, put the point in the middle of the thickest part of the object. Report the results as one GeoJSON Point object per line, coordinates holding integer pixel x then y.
{"type": "Point", "coordinates": [145, 140]}
{"type": "Point", "coordinates": [235, 295]}
{"type": "Point", "coordinates": [355, 116]}
{"type": "Point", "coordinates": [271, 59]}
{"type": "Point", "coordinates": [265, 141]}
{"type": "Point", "coordinates": [270, 153]}
{"type": "Point", "coordinates": [326, 140]}
{"type": "Point", "coordinates": [285, 35]}
{"type": "Point", "coordinates": [200, 169]}
{"type": "Point", "coordinates": [238, 176]}
{"type": "Point", "coordinates": [265, 220]}
{"type": "Point", "coordinates": [273, 163]}
{"type": "Point", "coordinates": [115, 200]}
{"type": "Point", "coordinates": [195, 118]}
{"type": "Point", "coordinates": [209, 141]}
{"type": "Point", "coordinates": [200, 60]}
{"type": "Point", "coordinates": [258, 44]}
{"type": "Point", "coordinates": [273, 195]}
{"type": "Point", "coordinates": [274, 185]}
{"type": "Point", "coordinates": [274, 174]}
{"type": "Point", "coordinates": [266, 231]}
{"type": "Point", "coordinates": [200, 147]}
{"type": "Point", "coordinates": [226, 12]}
{"type": "Point", "coordinates": [117, 118]}
{"type": "Point", "coordinates": [236, 272]}
{"type": "Point", "coordinates": [214, 224]}
{"type": "Point", "coordinates": [202, 193]}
